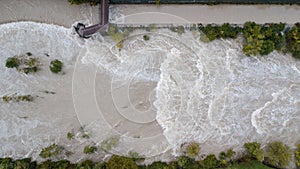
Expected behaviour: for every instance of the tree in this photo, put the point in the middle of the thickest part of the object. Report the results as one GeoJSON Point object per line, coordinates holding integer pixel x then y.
{"type": "Point", "coordinates": [89, 149]}
{"type": "Point", "coordinates": [120, 162]}
{"type": "Point", "coordinates": [87, 164]}
{"type": "Point", "coordinates": [267, 47]}
{"type": "Point", "coordinates": [157, 165]}
{"type": "Point", "coordinates": [210, 162]}
{"type": "Point", "coordinates": [254, 150]}
{"type": "Point", "coordinates": [192, 149]}
{"type": "Point", "coordinates": [56, 66]}
{"type": "Point", "coordinates": [12, 62]}
{"type": "Point", "coordinates": [293, 41]}
{"type": "Point", "coordinates": [6, 163]}
{"type": "Point", "coordinates": [146, 37]}
{"type": "Point", "coordinates": [297, 156]}
{"type": "Point", "coordinates": [278, 154]}
{"type": "Point", "coordinates": [52, 150]}
{"type": "Point", "coordinates": [78, 2]}
{"type": "Point", "coordinates": [187, 163]}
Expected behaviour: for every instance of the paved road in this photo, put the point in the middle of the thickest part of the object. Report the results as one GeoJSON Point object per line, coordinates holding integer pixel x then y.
{"type": "Point", "coordinates": [142, 14]}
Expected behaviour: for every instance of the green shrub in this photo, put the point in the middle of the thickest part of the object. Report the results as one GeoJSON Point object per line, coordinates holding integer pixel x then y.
{"type": "Point", "coordinates": [151, 28]}
{"type": "Point", "coordinates": [230, 154]}
{"type": "Point", "coordinates": [108, 144]}
{"type": "Point", "coordinates": [12, 62]}
{"type": "Point", "coordinates": [278, 154]}
{"type": "Point", "coordinates": [187, 163]}
{"type": "Point", "coordinates": [23, 163]}
{"type": "Point", "coordinates": [254, 150]}
{"type": "Point", "coordinates": [100, 165]}
{"type": "Point", "coordinates": [268, 46]}
{"type": "Point", "coordinates": [178, 29]}
{"type": "Point", "coordinates": [87, 164]}
{"type": "Point", "coordinates": [6, 163]}
{"type": "Point", "coordinates": [78, 2]}
{"type": "Point", "coordinates": [119, 162]}
{"type": "Point", "coordinates": [56, 66]}
{"type": "Point", "coordinates": [89, 149]}
{"type": "Point", "coordinates": [17, 98]}
{"type": "Point", "coordinates": [192, 150]}
{"type": "Point", "coordinates": [249, 165]}
{"type": "Point", "coordinates": [210, 162]}
{"type": "Point", "coordinates": [212, 32]}
{"type": "Point", "coordinates": [23, 63]}
{"type": "Point", "coordinates": [157, 165]}
{"type": "Point", "coordinates": [133, 154]}
{"type": "Point", "coordinates": [146, 37]}
{"type": "Point", "coordinates": [228, 31]}
{"type": "Point", "coordinates": [62, 164]}
{"type": "Point", "coordinates": [50, 151]}
{"type": "Point", "coordinates": [209, 31]}
{"type": "Point", "coordinates": [293, 40]}
{"type": "Point", "coordinates": [274, 32]}
{"type": "Point", "coordinates": [297, 156]}
{"type": "Point", "coordinates": [70, 136]}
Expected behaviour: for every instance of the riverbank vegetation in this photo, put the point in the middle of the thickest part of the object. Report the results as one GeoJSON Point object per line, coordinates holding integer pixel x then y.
{"type": "Point", "coordinates": [275, 155]}
{"type": "Point", "coordinates": [78, 2]}
{"type": "Point", "coordinates": [258, 39]}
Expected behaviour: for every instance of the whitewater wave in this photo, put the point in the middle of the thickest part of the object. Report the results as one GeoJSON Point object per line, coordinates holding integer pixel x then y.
{"type": "Point", "coordinates": [211, 92]}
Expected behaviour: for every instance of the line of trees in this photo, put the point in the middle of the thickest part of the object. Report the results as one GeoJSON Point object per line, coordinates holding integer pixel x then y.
{"type": "Point", "coordinates": [259, 39]}
{"type": "Point", "coordinates": [77, 2]}
{"type": "Point", "coordinates": [275, 155]}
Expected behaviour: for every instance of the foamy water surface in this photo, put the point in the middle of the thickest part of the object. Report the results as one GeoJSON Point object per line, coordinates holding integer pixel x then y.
{"type": "Point", "coordinates": [206, 92]}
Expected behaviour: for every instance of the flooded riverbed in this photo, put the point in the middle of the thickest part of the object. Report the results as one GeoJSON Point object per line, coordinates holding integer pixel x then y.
{"type": "Point", "coordinates": [153, 95]}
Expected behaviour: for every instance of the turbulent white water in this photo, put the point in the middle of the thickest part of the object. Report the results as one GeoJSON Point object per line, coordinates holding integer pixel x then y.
{"type": "Point", "coordinates": [205, 92]}
{"type": "Point", "coordinates": [27, 127]}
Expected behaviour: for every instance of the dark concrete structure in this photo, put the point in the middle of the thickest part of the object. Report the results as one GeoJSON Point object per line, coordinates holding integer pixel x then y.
{"type": "Point", "coordinates": [86, 32]}
{"type": "Point", "coordinates": [211, 2]}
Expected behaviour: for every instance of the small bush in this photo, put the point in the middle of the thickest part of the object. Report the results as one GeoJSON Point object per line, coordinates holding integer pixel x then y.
{"type": "Point", "coordinates": [12, 62]}
{"type": "Point", "coordinates": [50, 151]}
{"type": "Point", "coordinates": [133, 154]}
{"type": "Point", "coordinates": [146, 37]}
{"type": "Point", "coordinates": [89, 149]}
{"type": "Point", "coordinates": [6, 163]}
{"type": "Point", "coordinates": [70, 136]}
{"type": "Point", "coordinates": [23, 63]}
{"type": "Point", "coordinates": [108, 144]}
{"type": "Point", "coordinates": [119, 162]}
{"type": "Point", "coordinates": [192, 150]}
{"type": "Point", "coordinates": [210, 162]}
{"type": "Point", "coordinates": [297, 156]}
{"type": "Point", "coordinates": [17, 98]}
{"type": "Point", "coordinates": [293, 41]}
{"type": "Point", "coordinates": [78, 2]}
{"type": "Point", "coordinates": [151, 28]}
{"type": "Point", "coordinates": [254, 150]}
{"type": "Point", "coordinates": [87, 164]}
{"type": "Point", "coordinates": [56, 66]}
{"type": "Point", "coordinates": [230, 154]}
{"type": "Point", "coordinates": [178, 29]}
{"type": "Point", "coordinates": [278, 155]}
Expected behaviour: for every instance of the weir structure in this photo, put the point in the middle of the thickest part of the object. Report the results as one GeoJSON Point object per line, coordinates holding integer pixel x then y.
{"type": "Point", "coordinates": [86, 32]}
